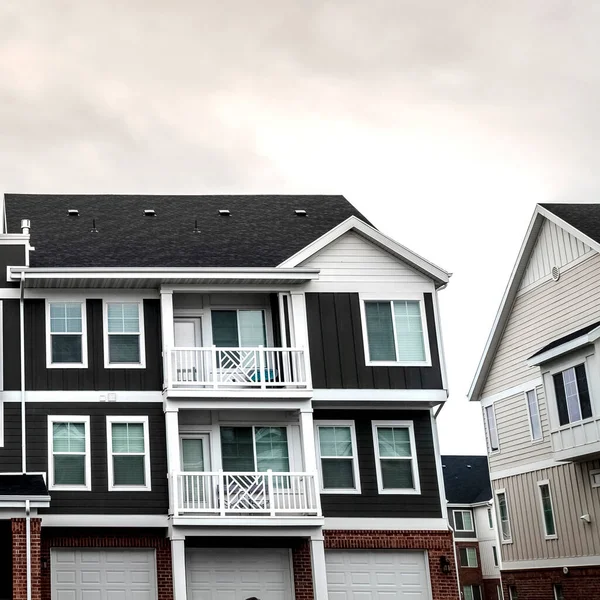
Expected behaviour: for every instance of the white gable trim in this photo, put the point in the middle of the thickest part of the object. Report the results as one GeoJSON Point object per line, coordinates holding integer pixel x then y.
{"type": "Point", "coordinates": [537, 220]}
{"type": "Point", "coordinates": [354, 223]}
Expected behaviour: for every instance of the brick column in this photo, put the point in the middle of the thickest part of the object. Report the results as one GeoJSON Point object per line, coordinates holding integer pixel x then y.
{"type": "Point", "coordinates": [19, 561]}
{"type": "Point", "coordinates": [303, 578]}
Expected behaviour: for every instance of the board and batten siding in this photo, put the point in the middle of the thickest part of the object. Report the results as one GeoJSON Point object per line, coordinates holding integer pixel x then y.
{"type": "Point", "coordinates": [541, 315]}
{"type": "Point", "coordinates": [514, 434]}
{"type": "Point", "coordinates": [572, 496]}
{"type": "Point", "coordinates": [554, 247]}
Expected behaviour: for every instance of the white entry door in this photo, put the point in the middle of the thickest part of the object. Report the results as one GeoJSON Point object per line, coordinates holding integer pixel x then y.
{"type": "Point", "coordinates": [99, 574]}
{"type": "Point", "coordinates": [376, 575]}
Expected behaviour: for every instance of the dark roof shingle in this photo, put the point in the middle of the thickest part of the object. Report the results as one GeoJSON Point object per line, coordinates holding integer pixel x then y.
{"type": "Point", "coordinates": [566, 338]}
{"type": "Point", "coordinates": [466, 479]}
{"type": "Point", "coordinates": [261, 231]}
{"type": "Point", "coordinates": [22, 485]}
{"type": "Point", "coordinates": [585, 217]}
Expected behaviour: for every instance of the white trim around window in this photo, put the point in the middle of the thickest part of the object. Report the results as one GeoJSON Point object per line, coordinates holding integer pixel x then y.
{"type": "Point", "coordinates": [57, 300]}
{"type": "Point", "coordinates": [409, 425]}
{"type": "Point", "coordinates": [354, 457]}
{"type": "Point", "coordinates": [141, 364]}
{"type": "Point", "coordinates": [491, 429]}
{"type": "Point", "coordinates": [112, 487]}
{"type": "Point", "coordinates": [419, 297]}
{"type": "Point", "coordinates": [86, 453]}
{"type": "Point", "coordinates": [463, 512]}
{"type": "Point", "coordinates": [504, 533]}
{"type": "Point", "coordinates": [534, 418]}
{"type": "Point", "coordinates": [543, 486]}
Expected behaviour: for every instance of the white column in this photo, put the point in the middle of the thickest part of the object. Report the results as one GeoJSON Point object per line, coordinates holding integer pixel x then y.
{"type": "Point", "coordinates": [319, 573]}
{"type": "Point", "coordinates": [299, 329]}
{"type": "Point", "coordinates": [178, 562]}
{"type": "Point", "coordinates": [173, 458]}
{"type": "Point", "coordinates": [307, 432]}
{"type": "Point", "coordinates": [168, 331]}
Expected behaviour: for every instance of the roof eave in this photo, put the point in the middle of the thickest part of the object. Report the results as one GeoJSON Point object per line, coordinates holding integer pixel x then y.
{"type": "Point", "coordinates": [583, 340]}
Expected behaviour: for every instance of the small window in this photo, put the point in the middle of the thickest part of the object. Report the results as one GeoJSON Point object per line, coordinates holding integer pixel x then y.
{"type": "Point", "coordinates": [490, 518]}
{"type": "Point", "coordinates": [558, 592]}
{"type": "Point", "coordinates": [124, 335]}
{"type": "Point", "coordinates": [490, 419]}
{"type": "Point", "coordinates": [535, 423]}
{"type": "Point", "coordinates": [66, 335]}
{"type": "Point", "coordinates": [396, 332]}
{"type": "Point", "coordinates": [495, 553]}
{"type": "Point", "coordinates": [503, 517]}
{"type": "Point", "coordinates": [395, 458]}
{"type": "Point", "coordinates": [255, 449]}
{"type": "Point", "coordinates": [468, 557]}
{"type": "Point", "coordinates": [595, 478]}
{"type": "Point", "coordinates": [512, 592]}
{"type": "Point", "coordinates": [69, 453]}
{"type": "Point", "coordinates": [463, 520]}
{"type": "Point", "coordinates": [572, 395]}
{"type": "Point", "coordinates": [128, 454]}
{"type": "Point", "coordinates": [338, 459]}
{"type": "Point", "coordinates": [547, 510]}
{"type": "Point", "coordinates": [471, 592]}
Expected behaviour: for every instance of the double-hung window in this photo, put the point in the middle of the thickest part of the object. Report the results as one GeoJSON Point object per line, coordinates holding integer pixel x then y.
{"type": "Point", "coordinates": [471, 592]}
{"type": "Point", "coordinates": [468, 557]}
{"type": "Point", "coordinates": [503, 517]}
{"type": "Point", "coordinates": [495, 555]}
{"type": "Point", "coordinates": [463, 520]}
{"type": "Point", "coordinates": [492, 430]}
{"type": "Point", "coordinates": [547, 509]}
{"type": "Point", "coordinates": [255, 449]}
{"type": "Point", "coordinates": [124, 335]}
{"type": "Point", "coordinates": [338, 459]}
{"type": "Point", "coordinates": [396, 332]}
{"type": "Point", "coordinates": [66, 345]}
{"type": "Point", "coordinates": [533, 409]}
{"type": "Point", "coordinates": [128, 453]}
{"type": "Point", "coordinates": [396, 457]}
{"type": "Point", "coordinates": [572, 395]}
{"type": "Point", "coordinates": [69, 464]}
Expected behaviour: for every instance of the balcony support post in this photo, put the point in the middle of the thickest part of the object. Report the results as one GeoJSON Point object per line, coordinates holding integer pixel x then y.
{"type": "Point", "coordinates": [173, 454]}
{"type": "Point", "coordinates": [317, 558]}
{"type": "Point", "coordinates": [168, 334]}
{"type": "Point", "coordinates": [178, 568]}
{"type": "Point", "coordinates": [300, 331]}
{"type": "Point", "coordinates": [307, 432]}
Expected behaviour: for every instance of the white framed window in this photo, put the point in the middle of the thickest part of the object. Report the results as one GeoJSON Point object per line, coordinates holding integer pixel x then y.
{"type": "Point", "coordinates": [128, 447]}
{"type": "Point", "coordinates": [396, 457]}
{"type": "Point", "coordinates": [69, 456]}
{"type": "Point", "coordinates": [595, 478]}
{"type": "Point", "coordinates": [512, 592]}
{"type": "Point", "coordinates": [547, 510]}
{"type": "Point", "coordinates": [468, 557]}
{"type": "Point", "coordinates": [337, 457]}
{"type": "Point", "coordinates": [255, 449]}
{"type": "Point", "coordinates": [471, 592]}
{"type": "Point", "coordinates": [492, 430]}
{"type": "Point", "coordinates": [572, 395]}
{"type": "Point", "coordinates": [238, 328]}
{"type": "Point", "coordinates": [503, 517]}
{"type": "Point", "coordinates": [490, 518]}
{"type": "Point", "coordinates": [495, 555]}
{"type": "Point", "coordinates": [66, 335]}
{"type": "Point", "coordinates": [124, 346]}
{"type": "Point", "coordinates": [463, 520]}
{"type": "Point", "coordinates": [395, 331]}
{"type": "Point", "coordinates": [533, 410]}
{"type": "Point", "coordinates": [558, 591]}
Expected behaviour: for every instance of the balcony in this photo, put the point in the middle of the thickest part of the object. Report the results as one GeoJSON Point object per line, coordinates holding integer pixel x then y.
{"type": "Point", "coordinates": [252, 498]}
{"type": "Point", "coordinates": [250, 369]}
{"type": "Point", "coordinates": [577, 441]}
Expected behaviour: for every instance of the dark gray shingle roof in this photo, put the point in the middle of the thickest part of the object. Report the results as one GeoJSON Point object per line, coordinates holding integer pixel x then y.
{"type": "Point", "coordinates": [262, 231]}
{"type": "Point", "coordinates": [585, 217]}
{"type": "Point", "coordinates": [466, 479]}
{"type": "Point", "coordinates": [22, 485]}
{"type": "Point", "coordinates": [566, 338]}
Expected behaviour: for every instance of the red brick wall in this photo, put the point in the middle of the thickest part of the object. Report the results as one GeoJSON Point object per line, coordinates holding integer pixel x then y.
{"type": "Point", "coordinates": [90, 539]}
{"type": "Point", "coordinates": [19, 549]}
{"type": "Point", "coordinates": [581, 583]}
{"type": "Point", "coordinates": [490, 589]}
{"type": "Point", "coordinates": [301, 563]}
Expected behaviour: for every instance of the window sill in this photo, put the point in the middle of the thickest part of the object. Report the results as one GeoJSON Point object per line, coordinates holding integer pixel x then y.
{"type": "Point", "coordinates": [69, 488]}
{"type": "Point", "coordinates": [399, 492]}
{"type": "Point", "coordinates": [464, 531]}
{"type": "Point", "coordinates": [66, 366]}
{"type": "Point", "coordinates": [130, 488]}
{"type": "Point", "coordinates": [124, 366]}
{"type": "Point", "coordinates": [340, 491]}
{"type": "Point", "coordinates": [392, 363]}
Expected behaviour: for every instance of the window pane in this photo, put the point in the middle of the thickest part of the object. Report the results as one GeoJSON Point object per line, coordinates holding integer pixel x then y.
{"type": "Point", "coordinates": [128, 437]}
{"type": "Point", "coordinates": [66, 349]}
{"type": "Point", "coordinates": [65, 317]}
{"type": "Point", "coordinates": [495, 553]}
{"type": "Point", "coordinates": [490, 521]}
{"type": "Point", "coordinates": [252, 328]}
{"type": "Point", "coordinates": [584, 393]}
{"type": "Point", "coordinates": [397, 474]}
{"type": "Point", "coordinates": [380, 331]}
{"type": "Point", "coordinates": [471, 557]}
{"type": "Point", "coordinates": [192, 454]}
{"type": "Point", "coordinates": [468, 592]}
{"type": "Point", "coordinates": [335, 441]}
{"type": "Point", "coordinates": [503, 511]}
{"type": "Point", "coordinates": [534, 415]}
{"type": "Point", "coordinates": [68, 437]}
{"type": "Point", "coordinates": [572, 395]}
{"type": "Point", "coordinates": [393, 441]}
{"type": "Point", "coordinates": [123, 317]}
{"type": "Point", "coordinates": [272, 449]}
{"type": "Point", "coordinates": [69, 469]}
{"type": "Point", "coordinates": [561, 400]}
{"type": "Point", "coordinates": [458, 520]}
{"type": "Point", "coordinates": [547, 510]}
{"type": "Point", "coordinates": [237, 449]}
{"type": "Point", "coordinates": [409, 330]}
{"type": "Point", "coordinates": [224, 328]}
{"type": "Point", "coordinates": [467, 520]}
{"type": "Point", "coordinates": [491, 427]}
{"type": "Point", "coordinates": [338, 473]}
{"type": "Point", "coordinates": [124, 348]}
{"type": "Point", "coordinates": [462, 552]}
{"type": "Point", "coordinates": [129, 470]}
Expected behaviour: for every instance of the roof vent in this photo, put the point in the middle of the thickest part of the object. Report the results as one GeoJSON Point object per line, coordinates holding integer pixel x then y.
{"type": "Point", "coordinates": [73, 212]}
{"type": "Point", "coordinates": [150, 212]}
{"type": "Point", "coordinates": [225, 213]}
{"type": "Point", "coordinates": [555, 273]}
{"type": "Point", "coordinates": [196, 230]}
{"type": "Point", "coordinates": [300, 212]}
{"type": "Point", "coordinates": [25, 226]}
{"type": "Point", "coordinates": [94, 229]}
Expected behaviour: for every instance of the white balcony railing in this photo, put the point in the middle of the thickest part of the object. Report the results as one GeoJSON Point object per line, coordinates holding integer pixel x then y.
{"type": "Point", "coordinates": [223, 494]}
{"type": "Point", "coordinates": [260, 367]}
{"type": "Point", "coordinates": [576, 439]}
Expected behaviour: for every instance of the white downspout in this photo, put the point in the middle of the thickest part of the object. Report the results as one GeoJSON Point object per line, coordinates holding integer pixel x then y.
{"type": "Point", "coordinates": [455, 562]}
{"type": "Point", "coordinates": [22, 353]}
{"type": "Point", "coordinates": [28, 545]}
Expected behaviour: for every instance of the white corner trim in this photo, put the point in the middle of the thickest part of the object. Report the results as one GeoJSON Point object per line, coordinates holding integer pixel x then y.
{"type": "Point", "coordinates": [372, 234]}
{"type": "Point", "coordinates": [391, 524]}
{"type": "Point", "coordinates": [513, 391]}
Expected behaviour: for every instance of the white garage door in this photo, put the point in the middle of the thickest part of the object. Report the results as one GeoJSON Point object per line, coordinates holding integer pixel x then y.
{"type": "Point", "coordinates": [97, 574]}
{"type": "Point", "coordinates": [376, 575]}
{"type": "Point", "coordinates": [238, 573]}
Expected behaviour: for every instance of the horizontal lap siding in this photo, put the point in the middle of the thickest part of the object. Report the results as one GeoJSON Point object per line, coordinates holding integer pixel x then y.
{"type": "Point", "coordinates": [337, 348]}
{"type": "Point", "coordinates": [370, 503]}
{"type": "Point", "coordinates": [541, 315]}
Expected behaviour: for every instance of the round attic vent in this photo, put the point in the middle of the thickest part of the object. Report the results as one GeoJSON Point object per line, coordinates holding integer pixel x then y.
{"type": "Point", "coordinates": [555, 273]}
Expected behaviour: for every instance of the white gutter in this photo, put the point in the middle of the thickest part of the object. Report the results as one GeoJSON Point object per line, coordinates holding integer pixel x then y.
{"type": "Point", "coordinates": [28, 544]}
{"type": "Point", "coordinates": [22, 354]}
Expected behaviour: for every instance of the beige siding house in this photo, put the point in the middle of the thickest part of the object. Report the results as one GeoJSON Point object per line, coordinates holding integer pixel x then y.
{"type": "Point", "coordinates": [538, 383]}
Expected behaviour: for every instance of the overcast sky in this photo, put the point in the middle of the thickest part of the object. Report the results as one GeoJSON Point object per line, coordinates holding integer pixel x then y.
{"type": "Point", "coordinates": [444, 122]}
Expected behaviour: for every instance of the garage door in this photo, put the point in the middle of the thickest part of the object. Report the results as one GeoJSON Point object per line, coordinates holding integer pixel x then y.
{"type": "Point", "coordinates": [238, 573]}
{"type": "Point", "coordinates": [96, 574]}
{"type": "Point", "coordinates": [376, 575]}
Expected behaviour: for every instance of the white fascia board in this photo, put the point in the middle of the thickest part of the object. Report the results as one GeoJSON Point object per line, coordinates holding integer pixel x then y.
{"type": "Point", "coordinates": [506, 305]}
{"type": "Point", "coordinates": [583, 340]}
{"type": "Point", "coordinates": [354, 223]}
{"type": "Point", "coordinates": [551, 563]}
{"type": "Point", "coordinates": [391, 524]}
{"type": "Point", "coordinates": [108, 396]}
{"type": "Point", "coordinates": [234, 522]}
{"type": "Point", "coordinates": [364, 395]}
{"type": "Point", "coordinates": [11, 239]}
{"type": "Point", "coordinates": [104, 521]}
